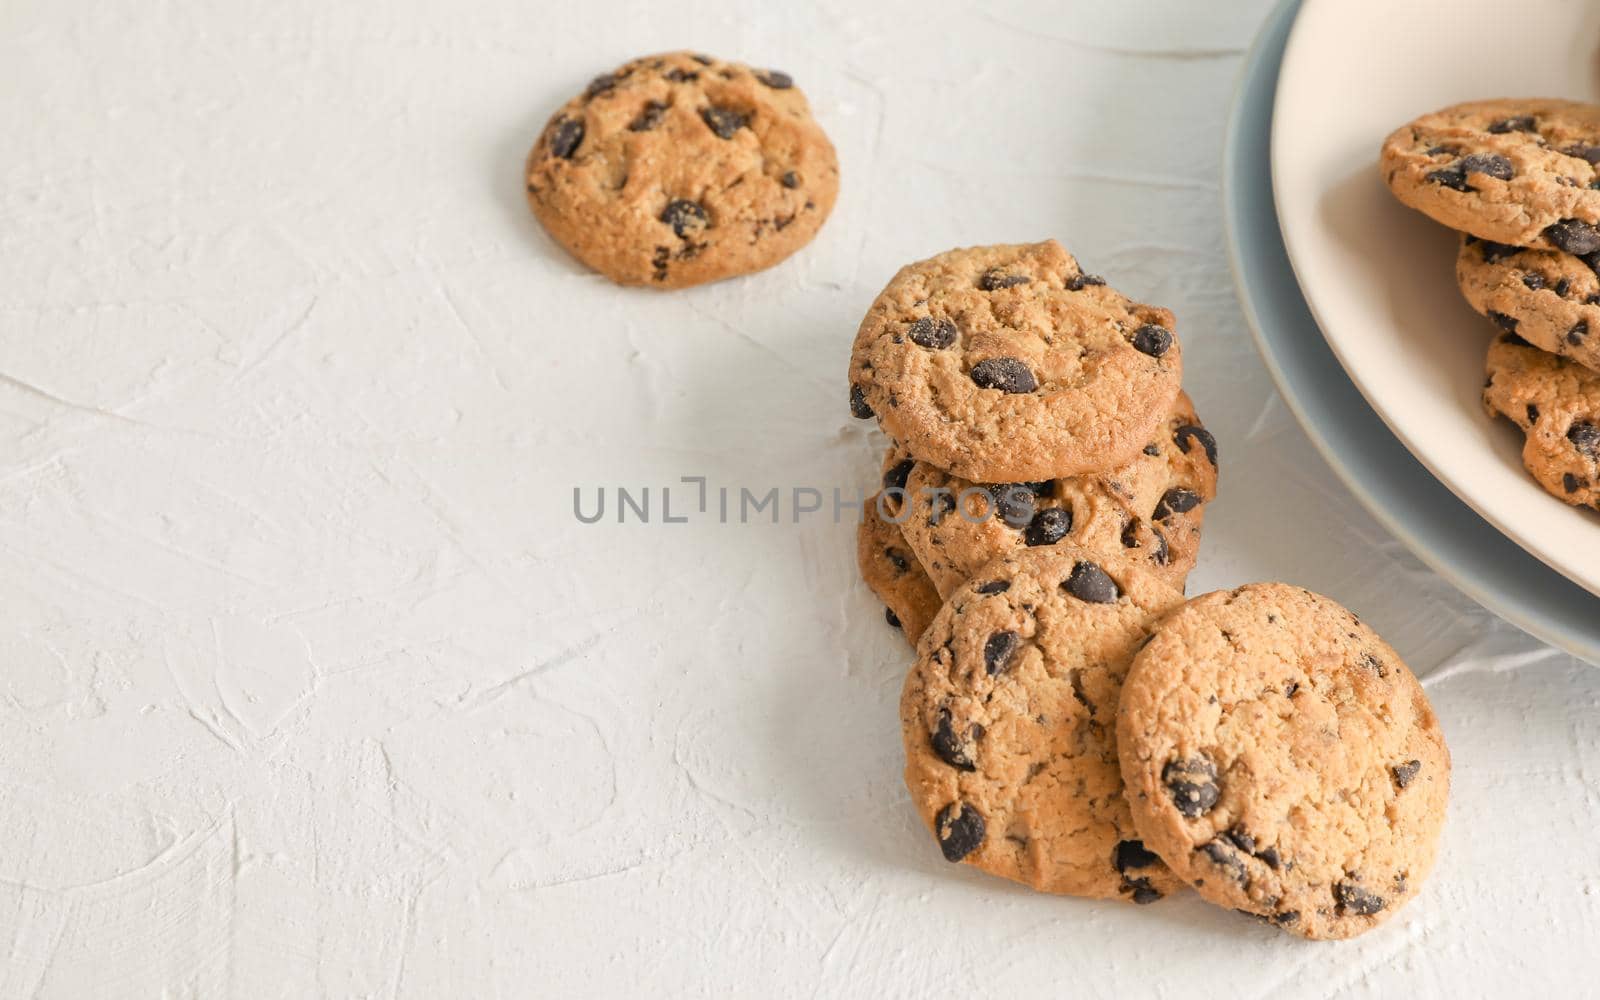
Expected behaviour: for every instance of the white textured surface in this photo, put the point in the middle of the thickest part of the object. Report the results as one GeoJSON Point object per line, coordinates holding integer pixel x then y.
{"type": "Point", "coordinates": [312, 684]}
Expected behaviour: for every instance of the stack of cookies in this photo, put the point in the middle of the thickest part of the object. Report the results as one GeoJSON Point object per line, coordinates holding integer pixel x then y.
{"type": "Point", "coordinates": [1070, 722]}
{"type": "Point", "coordinates": [1029, 404]}
{"type": "Point", "coordinates": [1520, 180]}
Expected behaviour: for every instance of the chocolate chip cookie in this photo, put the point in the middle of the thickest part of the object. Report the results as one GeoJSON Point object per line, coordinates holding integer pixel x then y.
{"type": "Point", "coordinates": [887, 564]}
{"type": "Point", "coordinates": [1006, 364]}
{"type": "Point", "coordinates": [1151, 509]}
{"type": "Point", "coordinates": [1009, 715]}
{"type": "Point", "coordinates": [1520, 172]}
{"type": "Point", "coordinates": [1548, 297]}
{"type": "Point", "coordinates": [1281, 759]}
{"type": "Point", "coordinates": [678, 169]}
{"type": "Point", "coordinates": [1557, 404]}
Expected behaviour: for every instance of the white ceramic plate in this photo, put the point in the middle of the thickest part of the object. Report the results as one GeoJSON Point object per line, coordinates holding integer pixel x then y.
{"type": "Point", "coordinates": [1411, 503]}
{"type": "Point", "coordinates": [1380, 278]}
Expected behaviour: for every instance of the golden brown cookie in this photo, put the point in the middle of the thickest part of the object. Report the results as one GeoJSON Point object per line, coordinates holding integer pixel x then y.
{"type": "Point", "coordinates": [1150, 509]}
{"type": "Point", "coordinates": [1548, 297]}
{"type": "Point", "coordinates": [1521, 172]}
{"type": "Point", "coordinates": [1557, 404]}
{"type": "Point", "coordinates": [1007, 364]}
{"type": "Point", "coordinates": [887, 564]}
{"type": "Point", "coordinates": [1282, 760]}
{"type": "Point", "coordinates": [678, 169]}
{"type": "Point", "coordinates": [1009, 720]}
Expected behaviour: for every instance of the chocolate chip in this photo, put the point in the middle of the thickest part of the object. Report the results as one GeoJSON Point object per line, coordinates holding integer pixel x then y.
{"type": "Point", "coordinates": [1533, 281]}
{"type": "Point", "coordinates": [901, 561]}
{"type": "Point", "coordinates": [1533, 414]}
{"type": "Point", "coordinates": [1521, 123]}
{"type": "Point", "coordinates": [1578, 332]}
{"type": "Point", "coordinates": [895, 477]}
{"type": "Point", "coordinates": [996, 278]}
{"type": "Point", "coordinates": [858, 403]}
{"type": "Point", "coordinates": [997, 651]}
{"type": "Point", "coordinates": [790, 179]}
{"type": "Point", "coordinates": [1504, 322]}
{"type": "Point", "coordinates": [600, 85]}
{"type": "Point", "coordinates": [1569, 482]}
{"type": "Point", "coordinates": [1573, 236]}
{"type": "Point", "coordinates": [1152, 449]}
{"type": "Point", "coordinates": [1048, 526]}
{"type": "Point", "coordinates": [1516, 340]}
{"type": "Point", "coordinates": [685, 217]}
{"type": "Point", "coordinates": [1583, 152]}
{"type": "Point", "coordinates": [1192, 784]}
{"type": "Point", "coordinates": [1493, 164]}
{"type": "Point", "coordinates": [994, 587]}
{"type": "Point", "coordinates": [1585, 437]}
{"type": "Point", "coordinates": [1143, 892]}
{"type": "Point", "coordinates": [1132, 854]}
{"type": "Point", "coordinates": [1183, 434]}
{"type": "Point", "coordinates": [1014, 504]}
{"type": "Point", "coordinates": [1078, 282]}
{"type": "Point", "coordinates": [1269, 857]}
{"type": "Point", "coordinates": [1089, 583]}
{"type": "Point", "coordinates": [1354, 900]}
{"type": "Point", "coordinates": [1442, 151]}
{"type": "Point", "coordinates": [1403, 773]}
{"type": "Point", "coordinates": [1130, 535]}
{"type": "Point", "coordinates": [1374, 664]}
{"type": "Point", "coordinates": [1227, 858]}
{"type": "Point", "coordinates": [1563, 286]}
{"type": "Point", "coordinates": [776, 79]}
{"type": "Point", "coordinates": [934, 334]}
{"type": "Point", "coordinates": [723, 121]}
{"type": "Point", "coordinates": [960, 830]}
{"type": "Point", "coordinates": [648, 118]}
{"type": "Point", "coordinates": [951, 748]}
{"type": "Point", "coordinates": [1162, 552]}
{"type": "Point", "coordinates": [1005, 374]}
{"type": "Point", "coordinates": [565, 138]}
{"type": "Point", "coordinates": [1176, 501]}
{"type": "Point", "coordinates": [892, 618]}
{"type": "Point", "coordinates": [1152, 340]}
{"type": "Point", "coordinates": [702, 60]}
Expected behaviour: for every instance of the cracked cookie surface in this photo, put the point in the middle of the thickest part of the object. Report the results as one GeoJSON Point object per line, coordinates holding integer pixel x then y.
{"type": "Point", "coordinates": [1550, 298]}
{"type": "Point", "coordinates": [1152, 509]}
{"type": "Point", "coordinates": [1009, 364]}
{"type": "Point", "coordinates": [1556, 403]}
{"type": "Point", "coordinates": [1283, 761]}
{"type": "Point", "coordinates": [1520, 172]}
{"type": "Point", "coordinates": [677, 169]}
{"type": "Point", "coordinates": [1008, 718]}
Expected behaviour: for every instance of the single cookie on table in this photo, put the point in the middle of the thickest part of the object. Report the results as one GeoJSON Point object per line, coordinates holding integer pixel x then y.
{"type": "Point", "coordinates": [1283, 761]}
{"type": "Point", "coordinates": [1009, 364]}
{"type": "Point", "coordinates": [1009, 718]}
{"type": "Point", "coordinates": [1521, 172]}
{"type": "Point", "coordinates": [1548, 297]}
{"type": "Point", "coordinates": [1151, 509]}
{"type": "Point", "coordinates": [1557, 405]}
{"type": "Point", "coordinates": [678, 169]}
{"type": "Point", "coordinates": [887, 564]}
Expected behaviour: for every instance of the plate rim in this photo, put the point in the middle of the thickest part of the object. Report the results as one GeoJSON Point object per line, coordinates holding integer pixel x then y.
{"type": "Point", "coordinates": [1536, 620]}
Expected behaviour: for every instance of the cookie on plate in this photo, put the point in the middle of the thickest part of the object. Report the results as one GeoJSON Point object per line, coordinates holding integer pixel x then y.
{"type": "Point", "coordinates": [1007, 364]}
{"type": "Point", "coordinates": [1151, 508]}
{"type": "Point", "coordinates": [1520, 172]}
{"type": "Point", "coordinates": [678, 169]}
{"type": "Point", "coordinates": [887, 564]}
{"type": "Point", "coordinates": [1557, 405]}
{"type": "Point", "coordinates": [1283, 761]}
{"type": "Point", "coordinates": [1548, 297]}
{"type": "Point", "coordinates": [1009, 717]}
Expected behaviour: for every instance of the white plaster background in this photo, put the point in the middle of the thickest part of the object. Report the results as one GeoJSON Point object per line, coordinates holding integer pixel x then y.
{"type": "Point", "coordinates": [310, 683]}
